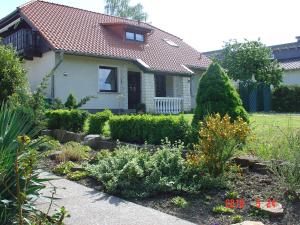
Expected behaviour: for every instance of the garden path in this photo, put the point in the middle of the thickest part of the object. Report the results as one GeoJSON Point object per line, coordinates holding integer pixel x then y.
{"type": "Point", "coordinates": [90, 207]}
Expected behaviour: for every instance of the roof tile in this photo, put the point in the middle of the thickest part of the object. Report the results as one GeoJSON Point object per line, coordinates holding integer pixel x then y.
{"type": "Point", "coordinates": [80, 31]}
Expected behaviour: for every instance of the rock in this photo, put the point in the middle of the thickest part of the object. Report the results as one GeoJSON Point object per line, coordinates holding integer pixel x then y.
{"type": "Point", "coordinates": [46, 133]}
{"type": "Point", "coordinates": [93, 141]}
{"type": "Point", "coordinates": [53, 155]}
{"type": "Point", "coordinates": [245, 169]}
{"type": "Point", "coordinates": [65, 136]}
{"type": "Point", "coordinates": [260, 167]}
{"type": "Point", "coordinates": [275, 209]}
{"type": "Point", "coordinates": [249, 223]}
{"type": "Point", "coordinates": [245, 161]}
{"type": "Point", "coordinates": [98, 188]}
{"type": "Point", "coordinates": [77, 168]}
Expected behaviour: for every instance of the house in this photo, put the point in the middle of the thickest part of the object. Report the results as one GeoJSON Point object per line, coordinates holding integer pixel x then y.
{"type": "Point", "coordinates": [121, 62]}
{"type": "Point", "coordinates": [288, 55]}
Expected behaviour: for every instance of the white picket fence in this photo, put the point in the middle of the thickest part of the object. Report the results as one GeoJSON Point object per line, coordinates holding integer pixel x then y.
{"type": "Point", "coordinates": [168, 105]}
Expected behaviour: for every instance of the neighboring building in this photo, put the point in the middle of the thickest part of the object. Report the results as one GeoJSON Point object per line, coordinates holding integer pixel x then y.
{"type": "Point", "coordinates": [287, 54]}
{"type": "Point", "coordinates": [120, 61]}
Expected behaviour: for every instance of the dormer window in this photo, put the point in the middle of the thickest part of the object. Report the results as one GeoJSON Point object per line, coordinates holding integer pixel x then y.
{"type": "Point", "coordinates": [132, 36]}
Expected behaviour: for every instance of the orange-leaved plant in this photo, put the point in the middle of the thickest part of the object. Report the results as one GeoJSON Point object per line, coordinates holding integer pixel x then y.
{"type": "Point", "coordinates": [219, 139]}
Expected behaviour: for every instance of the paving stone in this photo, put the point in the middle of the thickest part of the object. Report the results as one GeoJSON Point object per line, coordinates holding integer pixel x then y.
{"type": "Point", "coordinates": [249, 223]}
{"type": "Point", "coordinates": [88, 206]}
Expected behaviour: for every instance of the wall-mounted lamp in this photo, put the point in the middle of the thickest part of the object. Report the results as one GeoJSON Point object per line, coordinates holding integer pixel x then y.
{"type": "Point", "coordinates": [66, 74]}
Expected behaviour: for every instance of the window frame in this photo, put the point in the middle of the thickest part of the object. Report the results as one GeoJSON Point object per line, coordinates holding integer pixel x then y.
{"type": "Point", "coordinates": [134, 36]}
{"type": "Point", "coordinates": [117, 79]}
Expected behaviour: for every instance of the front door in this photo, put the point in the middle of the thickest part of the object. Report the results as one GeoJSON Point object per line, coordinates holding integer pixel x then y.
{"type": "Point", "coordinates": [134, 89]}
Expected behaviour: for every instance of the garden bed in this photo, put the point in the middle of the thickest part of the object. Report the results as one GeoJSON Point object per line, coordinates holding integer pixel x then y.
{"type": "Point", "coordinates": [250, 186]}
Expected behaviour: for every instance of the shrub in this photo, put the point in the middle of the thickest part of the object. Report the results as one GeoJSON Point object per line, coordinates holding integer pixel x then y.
{"type": "Point", "coordinates": [150, 128]}
{"type": "Point", "coordinates": [136, 173]}
{"type": "Point", "coordinates": [180, 202]}
{"type": "Point", "coordinates": [219, 139]}
{"type": "Point", "coordinates": [73, 151]}
{"type": "Point", "coordinates": [20, 184]}
{"type": "Point", "coordinates": [12, 74]}
{"type": "Point", "coordinates": [97, 121]}
{"type": "Point", "coordinates": [48, 144]}
{"type": "Point", "coordinates": [217, 95]}
{"type": "Point", "coordinates": [71, 120]}
{"type": "Point", "coordinates": [286, 98]}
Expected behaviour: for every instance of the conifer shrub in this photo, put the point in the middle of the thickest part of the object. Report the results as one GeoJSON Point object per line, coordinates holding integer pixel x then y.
{"type": "Point", "coordinates": [216, 94]}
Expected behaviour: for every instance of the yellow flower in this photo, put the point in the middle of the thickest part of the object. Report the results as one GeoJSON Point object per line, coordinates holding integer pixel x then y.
{"type": "Point", "coordinates": [24, 139]}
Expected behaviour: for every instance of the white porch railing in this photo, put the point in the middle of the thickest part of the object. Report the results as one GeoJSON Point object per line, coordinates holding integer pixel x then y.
{"type": "Point", "coordinates": [168, 105]}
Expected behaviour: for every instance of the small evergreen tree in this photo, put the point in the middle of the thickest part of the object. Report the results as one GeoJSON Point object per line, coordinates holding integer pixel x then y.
{"type": "Point", "coordinates": [71, 102]}
{"type": "Point", "coordinates": [217, 95]}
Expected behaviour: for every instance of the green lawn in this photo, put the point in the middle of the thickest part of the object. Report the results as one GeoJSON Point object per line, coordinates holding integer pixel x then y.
{"type": "Point", "coordinates": [262, 120]}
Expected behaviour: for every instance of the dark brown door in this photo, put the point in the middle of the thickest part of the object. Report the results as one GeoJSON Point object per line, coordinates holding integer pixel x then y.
{"type": "Point", "coordinates": [134, 89]}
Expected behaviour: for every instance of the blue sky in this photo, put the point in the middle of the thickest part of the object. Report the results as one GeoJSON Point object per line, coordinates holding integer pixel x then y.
{"type": "Point", "coordinates": [206, 24]}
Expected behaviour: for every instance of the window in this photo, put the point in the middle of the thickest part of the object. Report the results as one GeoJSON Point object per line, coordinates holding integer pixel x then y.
{"type": "Point", "coordinates": [108, 79]}
{"type": "Point", "coordinates": [129, 36]}
{"type": "Point", "coordinates": [134, 36]}
{"type": "Point", "coordinates": [139, 37]}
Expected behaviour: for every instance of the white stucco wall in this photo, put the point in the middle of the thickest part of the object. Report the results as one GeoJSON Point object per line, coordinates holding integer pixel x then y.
{"type": "Point", "coordinates": [79, 75]}
{"type": "Point", "coordinates": [38, 68]}
{"type": "Point", "coordinates": [291, 77]}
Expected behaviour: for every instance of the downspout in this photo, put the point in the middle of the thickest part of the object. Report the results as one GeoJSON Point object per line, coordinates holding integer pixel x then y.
{"type": "Point", "coordinates": [60, 60]}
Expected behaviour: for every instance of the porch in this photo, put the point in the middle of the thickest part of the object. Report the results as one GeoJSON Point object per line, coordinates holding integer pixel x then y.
{"type": "Point", "coordinates": [166, 94]}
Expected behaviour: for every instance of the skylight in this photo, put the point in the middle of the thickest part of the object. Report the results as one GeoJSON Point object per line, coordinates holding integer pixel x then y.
{"type": "Point", "coordinates": [172, 43]}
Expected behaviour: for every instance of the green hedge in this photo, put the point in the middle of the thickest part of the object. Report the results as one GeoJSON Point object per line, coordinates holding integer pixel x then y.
{"type": "Point", "coordinates": [71, 120]}
{"type": "Point", "coordinates": [97, 121]}
{"type": "Point", "coordinates": [150, 128]}
{"type": "Point", "coordinates": [286, 98]}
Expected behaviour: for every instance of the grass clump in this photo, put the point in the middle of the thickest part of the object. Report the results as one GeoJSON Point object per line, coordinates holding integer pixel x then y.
{"type": "Point", "coordinates": [73, 151]}
{"type": "Point", "coordinates": [220, 209]}
{"type": "Point", "coordinates": [232, 195]}
{"type": "Point", "coordinates": [64, 168]}
{"type": "Point", "coordinates": [179, 202]}
{"type": "Point", "coordinates": [77, 175]}
{"type": "Point", "coordinates": [236, 219]}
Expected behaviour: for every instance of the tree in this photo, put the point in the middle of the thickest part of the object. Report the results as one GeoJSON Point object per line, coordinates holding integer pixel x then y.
{"type": "Point", "coordinates": [71, 102]}
{"type": "Point", "coordinates": [251, 59]}
{"type": "Point", "coordinates": [217, 95]}
{"type": "Point", "coordinates": [12, 74]}
{"type": "Point", "coordinates": [123, 9]}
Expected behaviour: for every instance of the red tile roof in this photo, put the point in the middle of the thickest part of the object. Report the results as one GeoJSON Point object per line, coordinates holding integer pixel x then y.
{"type": "Point", "coordinates": [81, 32]}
